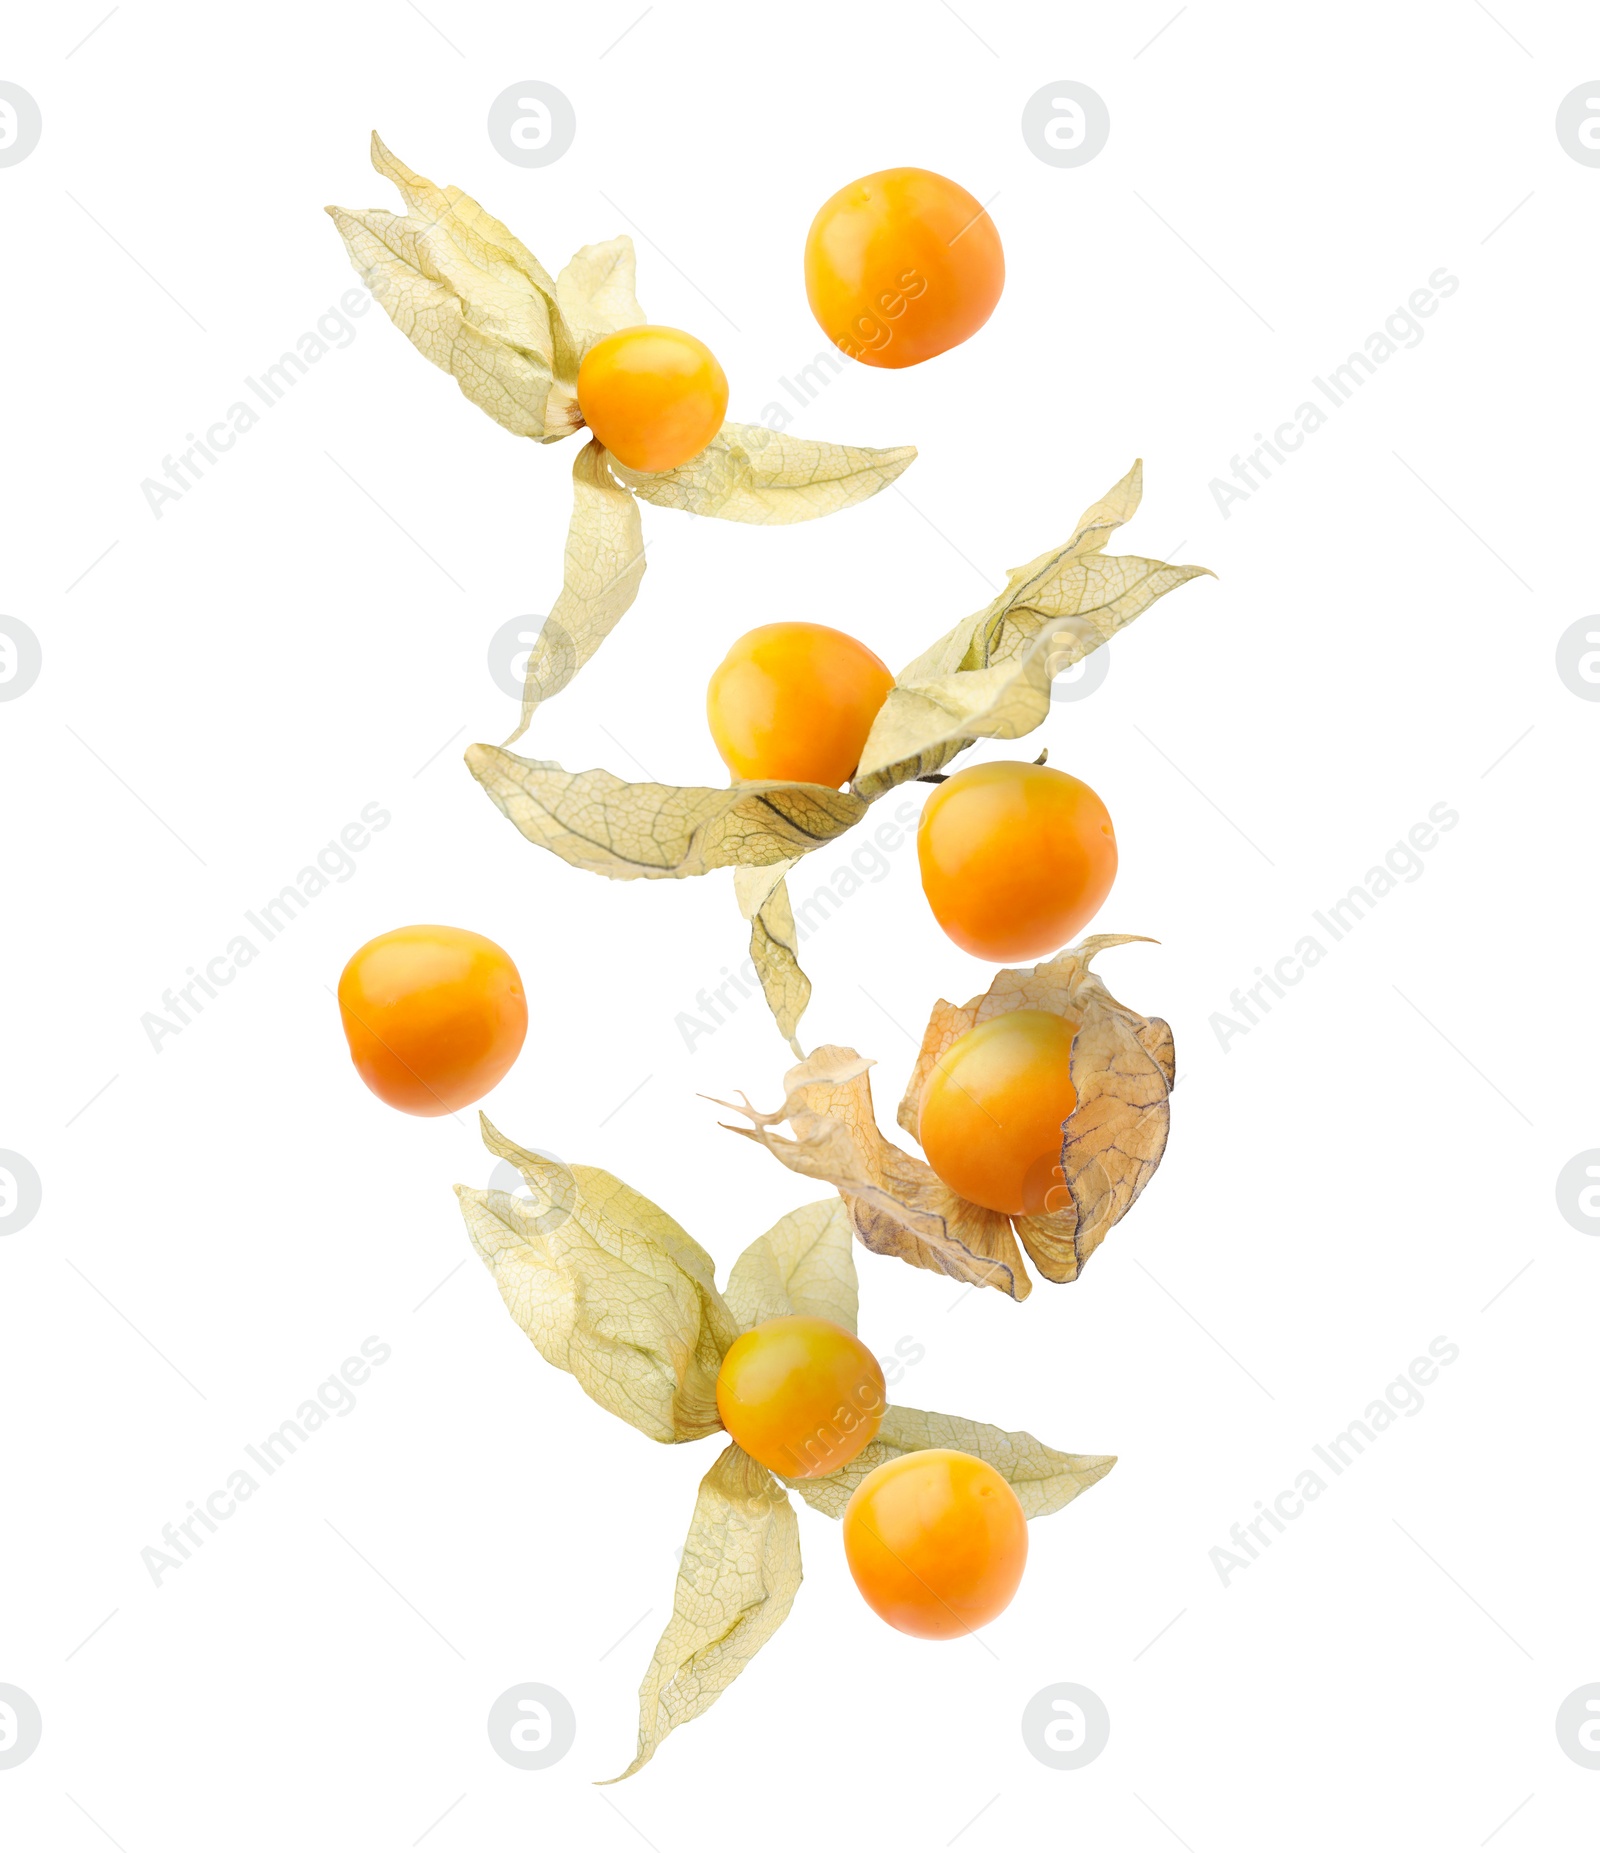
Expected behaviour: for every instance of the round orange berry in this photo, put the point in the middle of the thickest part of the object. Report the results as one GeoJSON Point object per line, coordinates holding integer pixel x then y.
{"type": "Point", "coordinates": [1015, 859]}
{"type": "Point", "coordinates": [434, 1016]}
{"type": "Point", "coordinates": [992, 1112]}
{"type": "Point", "coordinates": [800, 1394]}
{"type": "Point", "coordinates": [655, 397]}
{"type": "Point", "coordinates": [937, 1542]}
{"type": "Point", "coordinates": [901, 265]}
{"type": "Point", "coordinates": [795, 701]}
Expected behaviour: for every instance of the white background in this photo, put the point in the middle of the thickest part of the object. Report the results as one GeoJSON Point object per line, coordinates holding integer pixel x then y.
{"type": "Point", "coordinates": [305, 632]}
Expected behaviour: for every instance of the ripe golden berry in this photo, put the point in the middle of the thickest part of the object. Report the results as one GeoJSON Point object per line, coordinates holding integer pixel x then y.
{"type": "Point", "coordinates": [937, 1542]}
{"type": "Point", "coordinates": [655, 397]}
{"type": "Point", "coordinates": [800, 1394]}
{"type": "Point", "coordinates": [901, 265]}
{"type": "Point", "coordinates": [993, 1108]}
{"type": "Point", "coordinates": [1015, 859]}
{"type": "Point", "coordinates": [795, 701]}
{"type": "Point", "coordinates": [434, 1016]}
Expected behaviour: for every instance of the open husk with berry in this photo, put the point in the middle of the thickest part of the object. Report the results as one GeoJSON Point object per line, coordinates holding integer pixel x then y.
{"type": "Point", "coordinates": [611, 1289]}
{"type": "Point", "coordinates": [1122, 1073]}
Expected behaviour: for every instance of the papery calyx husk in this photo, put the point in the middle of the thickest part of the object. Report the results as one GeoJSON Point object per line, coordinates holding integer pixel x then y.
{"type": "Point", "coordinates": [736, 1582]}
{"type": "Point", "coordinates": [1122, 1071]}
{"type": "Point", "coordinates": [896, 1203]}
{"type": "Point", "coordinates": [650, 832]}
{"type": "Point", "coordinates": [603, 564]}
{"type": "Point", "coordinates": [764, 478]}
{"type": "Point", "coordinates": [990, 677]}
{"type": "Point", "coordinates": [1044, 1479]}
{"type": "Point", "coordinates": [474, 300]}
{"type": "Point", "coordinates": [608, 1287]}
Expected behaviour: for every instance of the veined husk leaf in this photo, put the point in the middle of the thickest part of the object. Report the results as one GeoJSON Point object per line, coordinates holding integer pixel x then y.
{"type": "Point", "coordinates": [608, 1287]}
{"type": "Point", "coordinates": [1003, 627]}
{"type": "Point", "coordinates": [990, 677]}
{"type": "Point", "coordinates": [803, 1264]}
{"type": "Point", "coordinates": [595, 293]}
{"type": "Point", "coordinates": [736, 1583]}
{"type": "Point", "coordinates": [766, 479]}
{"type": "Point", "coordinates": [763, 896]}
{"type": "Point", "coordinates": [471, 298]}
{"type": "Point", "coordinates": [596, 821]}
{"type": "Point", "coordinates": [604, 564]}
{"type": "Point", "coordinates": [1122, 1070]}
{"type": "Point", "coordinates": [1043, 1479]}
{"type": "Point", "coordinates": [896, 1203]}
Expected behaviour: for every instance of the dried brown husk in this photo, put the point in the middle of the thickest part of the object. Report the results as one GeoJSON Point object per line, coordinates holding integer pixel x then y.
{"type": "Point", "coordinates": [612, 1289]}
{"type": "Point", "coordinates": [1112, 1142]}
{"type": "Point", "coordinates": [896, 1203]}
